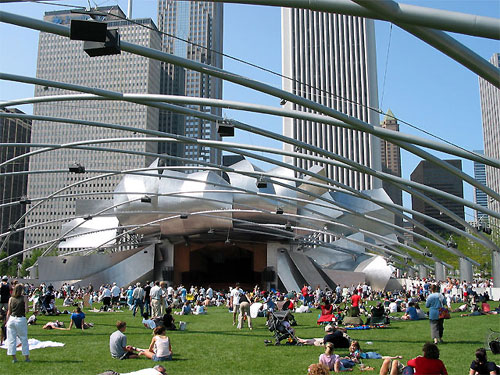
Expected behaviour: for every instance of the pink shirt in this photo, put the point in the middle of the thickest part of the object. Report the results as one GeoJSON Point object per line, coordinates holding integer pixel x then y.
{"type": "Point", "coordinates": [329, 360]}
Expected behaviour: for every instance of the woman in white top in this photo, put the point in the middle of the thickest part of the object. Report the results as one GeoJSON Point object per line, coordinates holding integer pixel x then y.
{"type": "Point", "coordinates": [160, 348]}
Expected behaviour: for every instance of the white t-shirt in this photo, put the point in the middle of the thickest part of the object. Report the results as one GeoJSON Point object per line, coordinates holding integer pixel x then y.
{"type": "Point", "coordinates": [235, 295]}
{"type": "Point", "coordinates": [115, 291]}
{"type": "Point", "coordinates": [393, 307]}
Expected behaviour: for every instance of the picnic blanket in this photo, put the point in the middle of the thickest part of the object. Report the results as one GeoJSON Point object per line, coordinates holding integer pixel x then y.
{"type": "Point", "coordinates": [35, 344]}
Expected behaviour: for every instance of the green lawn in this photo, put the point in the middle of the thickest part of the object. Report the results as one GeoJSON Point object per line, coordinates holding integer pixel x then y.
{"type": "Point", "coordinates": [211, 345]}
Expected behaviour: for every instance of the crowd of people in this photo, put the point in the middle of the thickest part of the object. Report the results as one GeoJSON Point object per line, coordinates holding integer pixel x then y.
{"type": "Point", "coordinates": [156, 301]}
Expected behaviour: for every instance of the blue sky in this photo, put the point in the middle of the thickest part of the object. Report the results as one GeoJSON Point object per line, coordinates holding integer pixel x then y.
{"type": "Point", "coordinates": [421, 86]}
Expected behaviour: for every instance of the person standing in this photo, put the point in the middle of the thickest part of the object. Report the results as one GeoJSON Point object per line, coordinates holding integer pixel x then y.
{"type": "Point", "coordinates": [115, 295]}
{"type": "Point", "coordinates": [17, 325]}
{"type": "Point", "coordinates": [138, 296]}
{"type": "Point", "coordinates": [155, 296]}
{"type": "Point", "coordinates": [106, 297]}
{"type": "Point", "coordinates": [355, 303]}
{"type": "Point", "coordinates": [235, 301]}
{"type": "Point", "coordinates": [147, 290]}
{"type": "Point", "coordinates": [434, 302]}
{"type": "Point", "coordinates": [4, 293]}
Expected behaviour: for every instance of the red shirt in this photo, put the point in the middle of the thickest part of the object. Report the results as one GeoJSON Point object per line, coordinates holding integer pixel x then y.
{"type": "Point", "coordinates": [304, 291]}
{"type": "Point", "coordinates": [355, 300]}
{"type": "Point", "coordinates": [426, 366]}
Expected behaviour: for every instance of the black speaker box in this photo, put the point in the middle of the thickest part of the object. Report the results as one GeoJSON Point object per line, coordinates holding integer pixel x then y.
{"type": "Point", "coordinates": [91, 31]}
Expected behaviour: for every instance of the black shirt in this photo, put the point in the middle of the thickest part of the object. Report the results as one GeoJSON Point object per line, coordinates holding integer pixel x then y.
{"type": "Point", "coordinates": [484, 368]}
{"type": "Point", "coordinates": [4, 292]}
{"type": "Point", "coordinates": [337, 339]}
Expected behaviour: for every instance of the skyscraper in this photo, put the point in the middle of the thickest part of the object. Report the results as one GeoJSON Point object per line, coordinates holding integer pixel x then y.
{"type": "Point", "coordinates": [198, 28]}
{"type": "Point", "coordinates": [62, 59]}
{"type": "Point", "coordinates": [480, 197]}
{"type": "Point", "coordinates": [391, 162]}
{"type": "Point", "coordinates": [490, 110]}
{"type": "Point", "coordinates": [434, 176]}
{"type": "Point", "coordinates": [13, 187]}
{"type": "Point", "coordinates": [331, 60]}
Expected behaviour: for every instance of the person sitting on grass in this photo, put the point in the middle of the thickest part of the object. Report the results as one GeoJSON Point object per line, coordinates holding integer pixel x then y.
{"type": "Point", "coordinates": [160, 348]}
{"type": "Point", "coordinates": [429, 363]}
{"type": "Point", "coordinates": [411, 312]}
{"type": "Point", "coordinates": [78, 320]}
{"type": "Point", "coordinates": [318, 369]}
{"type": "Point", "coordinates": [168, 320]}
{"type": "Point", "coordinates": [186, 309]}
{"type": "Point", "coordinates": [118, 343]}
{"type": "Point", "coordinates": [481, 365]}
{"type": "Point", "coordinates": [332, 360]}
{"type": "Point", "coordinates": [199, 309]}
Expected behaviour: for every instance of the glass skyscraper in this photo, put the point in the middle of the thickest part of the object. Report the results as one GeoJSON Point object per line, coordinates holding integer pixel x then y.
{"type": "Point", "coordinates": [331, 60]}
{"type": "Point", "coordinates": [480, 197]}
{"type": "Point", "coordinates": [62, 59]}
{"type": "Point", "coordinates": [198, 30]}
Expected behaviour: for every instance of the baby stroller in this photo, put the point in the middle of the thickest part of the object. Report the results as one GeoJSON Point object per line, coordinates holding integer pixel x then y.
{"type": "Point", "coordinates": [279, 324]}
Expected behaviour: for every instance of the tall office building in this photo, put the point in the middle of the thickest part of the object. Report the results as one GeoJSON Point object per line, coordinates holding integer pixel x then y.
{"type": "Point", "coordinates": [61, 59]}
{"type": "Point", "coordinates": [480, 197]}
{"type": "Point", "coordinates": [13, 187]}
{"type": "Point", "coordinates": [391, 162]}
{"type": "Point", "coordinates": [434, 176]}
{"type": "Point", "coordinates": [331, 60]}
{"type": "Point", "coordinates": [198, 28]}
{"type": "Point", "coordinates": [490, 110]}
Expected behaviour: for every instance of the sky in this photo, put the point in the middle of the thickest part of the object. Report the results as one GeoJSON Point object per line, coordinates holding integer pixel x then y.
{"type": "Point", "coordinates": [418, 83]}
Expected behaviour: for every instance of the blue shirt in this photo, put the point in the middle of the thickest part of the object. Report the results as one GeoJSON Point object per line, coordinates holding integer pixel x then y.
{"type": "Point", "coordinates": [77, 319]}
{"type": "Point", "coordinates": [412, 312]}
{"type": "Point", "coordinates": [434, 304]}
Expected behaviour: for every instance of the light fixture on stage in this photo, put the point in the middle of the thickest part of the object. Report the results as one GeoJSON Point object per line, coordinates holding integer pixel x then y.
{"type": "Point", "coordinates": [288, 227]}
{"type": "Point", "coordinates": [146, 199]}
{"type": "Point", "coordinates": [109, 47]}
{"type": "Point", "coordinates": [76, 168]}
{"type": "Point", "coordinates": [183, 216]}
{"type": "Point", "coordinates": [87, 217]}
{"type": "Point", "coordinates": [261, 183]}
{"type": "Point", "coordinates": [225, 128]}
{"type": "Point", "coordinates": [279, 211]}
{"type": "Point", "coordinates": [91, 31]}
{"type": "Point", "coordinates": [24, 200]}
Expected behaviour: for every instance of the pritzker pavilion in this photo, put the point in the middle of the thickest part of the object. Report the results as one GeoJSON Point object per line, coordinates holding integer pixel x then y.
{"type": "Point", "coordinates": [218, 223]}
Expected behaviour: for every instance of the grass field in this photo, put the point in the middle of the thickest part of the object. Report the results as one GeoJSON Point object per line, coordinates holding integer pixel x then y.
{"type": "Point", "coordinates": [211, 345]}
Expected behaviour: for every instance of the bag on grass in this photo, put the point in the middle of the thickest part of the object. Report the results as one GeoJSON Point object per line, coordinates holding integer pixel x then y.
{"type": "Point", "coordinates": [182, 326]}
{"type": "Point", "coordinates": [495, 346]}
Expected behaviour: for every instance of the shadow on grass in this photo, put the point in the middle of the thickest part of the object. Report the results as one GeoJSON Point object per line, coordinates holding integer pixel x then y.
{"type": "Point", "coordinates": [56, 361]}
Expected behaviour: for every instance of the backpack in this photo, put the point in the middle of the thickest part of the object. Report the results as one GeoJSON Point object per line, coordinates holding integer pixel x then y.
{"type": "Point", "coordinates": [494, 346]}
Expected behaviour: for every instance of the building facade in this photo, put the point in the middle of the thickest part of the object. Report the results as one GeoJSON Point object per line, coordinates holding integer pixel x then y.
{"type": "Point", "coordinates": [391, 162]}
{"type": "Point", "coordinates": [330, 59]}
{"type": "Point", "coordinates": [490, 111]}
{"type": "Point", "coordinates": [431, 175]}
{"type": "Point", "coordinates": [198, 30]}
{"type": "Point", "coordinates": [480, 197]}
{"type": "Point", "coordinates": [62, 59]}
{"type": "Point", "coordinates": [13, 187]}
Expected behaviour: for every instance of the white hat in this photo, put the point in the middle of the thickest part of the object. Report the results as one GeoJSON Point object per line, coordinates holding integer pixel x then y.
{"type": "Point", "coordinates": [5, 278]}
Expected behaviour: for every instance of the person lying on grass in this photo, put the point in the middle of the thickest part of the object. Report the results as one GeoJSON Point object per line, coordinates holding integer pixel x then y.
{"type": "Point", "coordinates": [356, 354]}
{"type": "Point", "coordinates": [55, 325]}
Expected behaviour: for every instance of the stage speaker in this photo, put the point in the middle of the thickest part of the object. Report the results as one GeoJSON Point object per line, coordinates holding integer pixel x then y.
{"type": "Point", "coordinates": [90, 31]}
{"type": "Point", "coordinates": [268, 275]}
{"type": "Point", "coordinates": [110, 47]}
{"type": "Point", "coordinates": [168, 274]}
